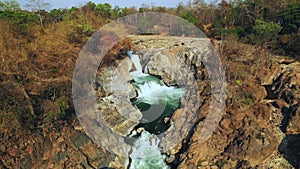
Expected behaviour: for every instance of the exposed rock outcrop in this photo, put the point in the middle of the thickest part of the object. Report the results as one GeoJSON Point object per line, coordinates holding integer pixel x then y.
{"type": "Point", "coordinates": [255, 112]}
{"type": "Point", "coordinates": [61, 148]}
{"type": "Point", "coordinates": [258, 127]}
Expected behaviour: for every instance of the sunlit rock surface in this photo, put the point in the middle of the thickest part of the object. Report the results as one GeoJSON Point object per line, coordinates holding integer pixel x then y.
{"type": "Point", "coordinates": [259, 126]}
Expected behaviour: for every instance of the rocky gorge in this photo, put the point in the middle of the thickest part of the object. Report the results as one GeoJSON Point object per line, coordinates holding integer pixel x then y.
{"type": "Point", "coordinates": [257, 127]}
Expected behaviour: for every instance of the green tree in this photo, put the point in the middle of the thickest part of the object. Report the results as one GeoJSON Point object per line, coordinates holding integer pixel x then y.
{"type": "Point", "coordinates": [128, 11]}
{"type": "Point", "coordinates": [144, 8]}
{"type": "Point", "coordinates": [290, 18]}
{"type": "Point", "coordinates": [58, 15]}
{"type": "Point", "coordinates": [116, 12]}
{"type": "Point", "coordinates": [103, 10]}
{"type": "Point", "coordinates": [188, 16]}
{"type": "Point", "coordinates": [88, 8]}
{"type": "Point", "coordinates": [9, 5]}
{"type": "Point", "coordinates": [20, 22]}
{"type": "Point", "coordinates": [179, 9]}
{"type": "Point", "coordinates": [266, 32]}
{"type": "Point", "coordinates": [80, 32]}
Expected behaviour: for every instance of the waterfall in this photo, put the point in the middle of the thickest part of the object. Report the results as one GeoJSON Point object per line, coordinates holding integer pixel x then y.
{"type": "Point", "coordinates": [155, 99]}
{"type": "Point", "coordinates": [136, 61]}
{"type": "Point", "coordinates": [156, 102]}
{"type": "Point", "coordinates": [151, 89]}
{"type": "Point", "coordinates": [146, 153]}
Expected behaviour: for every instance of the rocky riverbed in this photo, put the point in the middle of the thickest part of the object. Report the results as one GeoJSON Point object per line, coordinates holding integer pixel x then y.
{"type": "Point", "coordinates": [257, 127]}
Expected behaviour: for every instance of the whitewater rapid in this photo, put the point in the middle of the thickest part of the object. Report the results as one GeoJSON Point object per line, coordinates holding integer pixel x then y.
{"type": "Point", "coordinates": [156, 101]}
{"type": "Point", "coordinates": [146, 153]}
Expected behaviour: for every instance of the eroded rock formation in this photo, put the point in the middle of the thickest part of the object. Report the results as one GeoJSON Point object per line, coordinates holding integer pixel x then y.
{"type": "Point", "coordinates": [258, 127]}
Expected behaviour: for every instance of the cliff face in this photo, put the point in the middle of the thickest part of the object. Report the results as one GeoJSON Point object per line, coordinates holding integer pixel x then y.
{"type": "Point", "coordinates": [258, 127]}
{"type": "Point", "coordinates": [259, 124]}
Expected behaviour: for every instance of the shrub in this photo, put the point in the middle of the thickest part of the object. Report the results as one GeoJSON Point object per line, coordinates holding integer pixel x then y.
{"type": "Point", "coordinates": [20, 22]}
{"type": "Point", "coordinates": [55, 110]}
{"type": "Point", "coordinates": [221, 163]}
{"type": "Point", "coordinates": [289, 18]}
{"type": "Point", "coordinates": [266, 33]}
{"type": "Point", "coordinates": [235, 32]}
{"type": "Point", "coordinates": [294, 46]}
{"type": "Point", "coordinates": [79, 33]}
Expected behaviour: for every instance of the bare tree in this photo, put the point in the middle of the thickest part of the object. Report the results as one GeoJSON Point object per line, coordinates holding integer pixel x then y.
{"type": "Point", "coordinates": [38, 6]}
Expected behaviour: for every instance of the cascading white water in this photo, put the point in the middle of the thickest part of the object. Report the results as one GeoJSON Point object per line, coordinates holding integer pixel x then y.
{"type": "Point", "coordinates": [146, 153]}
{"type": "Point", "coordinates": [136, 61]}
{"type": "Point", "coordinates": [150, 89]}
{"type": "Point", "coordinates": [161, 101]}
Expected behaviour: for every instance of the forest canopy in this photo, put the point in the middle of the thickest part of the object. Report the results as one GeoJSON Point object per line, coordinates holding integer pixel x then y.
{"type": "Point", "coordinates": [273, 25]}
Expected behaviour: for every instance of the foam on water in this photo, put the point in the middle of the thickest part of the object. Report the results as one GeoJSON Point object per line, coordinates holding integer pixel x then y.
{"type": "Point", "coordinates": [146, 153]}
{"type": "Point", "coordinates": [151, 90]}
{"type": "Point", "coordinates": [156, 101]}
{"type": "Point", "coordinates": [136, 61]}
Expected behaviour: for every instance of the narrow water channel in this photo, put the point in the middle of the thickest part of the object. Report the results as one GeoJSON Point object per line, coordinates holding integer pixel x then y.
{"type": "Point", "coordinates": [157, 102]}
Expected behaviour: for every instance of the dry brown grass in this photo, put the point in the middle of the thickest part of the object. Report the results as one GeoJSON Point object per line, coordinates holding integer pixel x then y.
{"type": "Point", "coordinates": [31, 69]}
{"type": "Point", "coordinates": [39, 70]}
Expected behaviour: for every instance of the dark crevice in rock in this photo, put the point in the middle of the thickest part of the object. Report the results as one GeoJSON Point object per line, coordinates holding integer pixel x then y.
{"type": "Point", "coordinates": [131, 140]}
{"type": "Point", "coordinates": [287, 114]}
{"type": "Point", "coordinates": [129, 164]}
{"type": "Point", "coordinates": [155, 127]}
{"type": "Point", "coordinates": [2, 165]}
{"type": "Point", "coordinates": [235, 142]}
{"type": "Point", "coordinates": [195, 69]}
{"type": "Point", "coordinates": [89, 164]}
{"type": "Point", "coordinates": [87, 160]}
{"type": "Point", "coordinates": [290, 148]}
{"type": "Point", "coordinates": [185, 146]}
{"type": "Point", "coordinates": [243, 164]}
{"type": "Point", "coordinates": [286, 62]}
{"type": "Point", "coordinates": [65, 163]}
{"type": "Point", "coordinates": [82, 165]}
{"type": "Point", "coordinates": [285, 120]}
{"type": "Point", "coordinates": [280, 85]}
{"type": "Point", "coordinates": [277, 83]}
{"type": "Point", "coordinates": [270, 92]}
{"type": "Point", "coordinates": [186, 142]}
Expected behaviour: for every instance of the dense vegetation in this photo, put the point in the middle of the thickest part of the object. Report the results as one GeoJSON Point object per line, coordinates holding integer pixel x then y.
{"type": "Point", "coordinates": [39, 48]}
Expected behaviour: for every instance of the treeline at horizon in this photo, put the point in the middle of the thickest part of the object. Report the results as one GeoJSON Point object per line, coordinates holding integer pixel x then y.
{"type": "Point", "coordinates": [273, 25]}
